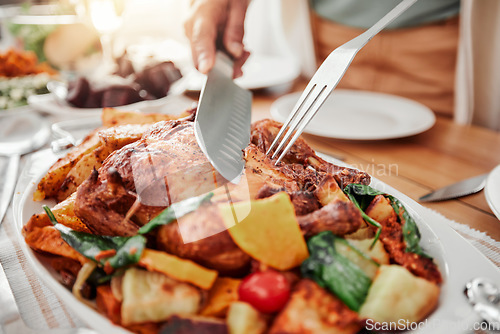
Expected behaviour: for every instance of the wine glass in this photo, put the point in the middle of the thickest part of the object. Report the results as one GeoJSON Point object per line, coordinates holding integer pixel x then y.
{"type": "Point", "coordinates": [105, 16]}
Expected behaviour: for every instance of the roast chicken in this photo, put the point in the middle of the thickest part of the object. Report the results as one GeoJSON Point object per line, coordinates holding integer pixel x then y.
{"type": "Point", "coordinates": [166, 165]}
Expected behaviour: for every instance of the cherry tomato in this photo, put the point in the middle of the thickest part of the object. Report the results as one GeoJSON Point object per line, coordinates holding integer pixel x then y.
{"type": "Point", "coordinates": [267, 291]}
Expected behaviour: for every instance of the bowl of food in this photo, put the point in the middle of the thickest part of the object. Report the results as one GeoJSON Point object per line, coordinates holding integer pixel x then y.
{"type": "Point", "coordinates": [22, 76]}
{"type": "Point", "coordinates": [140, 233]}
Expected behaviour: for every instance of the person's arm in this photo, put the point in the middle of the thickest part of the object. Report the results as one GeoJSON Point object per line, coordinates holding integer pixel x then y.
{"type": "Point", "coordinates": [217, 24]}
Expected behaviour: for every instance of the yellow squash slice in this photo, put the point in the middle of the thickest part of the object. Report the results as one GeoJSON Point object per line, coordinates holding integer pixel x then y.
{"type": "Point", "coordinates": [177, 268]}
{"type": "Point", "coordinates": [269, 232]}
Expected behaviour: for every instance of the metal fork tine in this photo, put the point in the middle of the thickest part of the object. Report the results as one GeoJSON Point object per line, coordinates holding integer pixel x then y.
{"type": "Point", "coordinates": [309, 114]}
{"type": "Point", "coordinates": [298, 120]}
{"type": "Point", "coordinates": [310, 87]}
{"type": "Point", "coordinates": [327, 76]}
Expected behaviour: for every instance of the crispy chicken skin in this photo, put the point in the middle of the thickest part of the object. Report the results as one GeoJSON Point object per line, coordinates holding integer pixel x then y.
{"type": "Point", "coordinates": [166, 165]}
{"type": "Point", "coordinates": [263, 134]}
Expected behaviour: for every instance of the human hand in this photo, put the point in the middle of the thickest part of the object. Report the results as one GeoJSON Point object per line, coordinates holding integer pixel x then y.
{"type": "Point", "coordinates": [217, 24]}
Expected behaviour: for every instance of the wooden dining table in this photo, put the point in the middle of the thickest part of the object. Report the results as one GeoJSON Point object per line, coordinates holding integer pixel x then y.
{"type": "Point", "coordinates": [449, 152]}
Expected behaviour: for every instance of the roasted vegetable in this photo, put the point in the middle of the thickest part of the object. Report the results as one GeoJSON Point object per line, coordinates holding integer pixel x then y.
{"type": "Point", "coordinates": [113, 117]}
{"type": "Point", "coordinates": [332, 270]}
{"type": "Point", "coordinates": [268, 231]}
{"type": "Point", "coordinates": [398, 295]}
{"type": "Point", "coordinates": [151, 296]}
{"type": "Point", "coordinates": [50, 185]}
{"type": "Point", "coordinates": [222, 294]}
{"type": "Point", "coordinates": [361, 252]}
{"type": "Point", "coordinates": [362, 195]}
{"type": "Point", "coordinates": [267, 291]}
{"type": "Point", "coordinates": [177, 268]}
{"type": "Point", "coordinates": [242, 318]}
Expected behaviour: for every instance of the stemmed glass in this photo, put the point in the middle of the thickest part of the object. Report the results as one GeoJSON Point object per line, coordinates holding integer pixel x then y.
{"type": "Point", "coordinates": [105, 15]}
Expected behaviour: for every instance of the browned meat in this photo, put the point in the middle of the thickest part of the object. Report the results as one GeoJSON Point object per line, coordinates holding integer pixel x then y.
{"type": "Point", "coordinates": [304, 202]}
{"type": "Point", "coordinates": [312, 310]}
{"type": "Point", "coordinates": [218, 251]}
{"type": "Point", "coordinates": [339, 217]}
{"type": "Point", "coordinates": [166, 166]}
{"type": "Point", "coordinates": [263, 133]}
{"type": "Point", "coordinates": [105, 205]}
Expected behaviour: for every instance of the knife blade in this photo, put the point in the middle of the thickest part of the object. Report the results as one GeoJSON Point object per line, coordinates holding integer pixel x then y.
{"type": "Point", "coordinates": [455, 190]}
{"type": "Point", "coordinates": [223, 118]}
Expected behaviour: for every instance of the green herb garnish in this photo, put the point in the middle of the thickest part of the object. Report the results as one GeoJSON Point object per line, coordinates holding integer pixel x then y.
{"type": "Point", "coordinates": [362, 195]}
{"type": "Point", "coordinates": [333, 271]}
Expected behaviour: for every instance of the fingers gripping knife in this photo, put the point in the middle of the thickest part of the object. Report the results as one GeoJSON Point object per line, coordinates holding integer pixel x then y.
{"type": "Point", "coordinates": [223, 118]}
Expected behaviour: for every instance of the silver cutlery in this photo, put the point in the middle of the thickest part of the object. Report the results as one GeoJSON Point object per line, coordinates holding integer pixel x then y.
{"type": "Point", "coordinates": [324, 81]}
{"type": "Point", "coordinates": [484, 296]}
{"type": "Point", "coordinates": [19, 135]}
{"type": "Point", "coordinates": [222, 124]}
{"type": "Point", "coordinates": [455, 190]}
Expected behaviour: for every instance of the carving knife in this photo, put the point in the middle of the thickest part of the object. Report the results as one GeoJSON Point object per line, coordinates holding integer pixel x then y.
{"type": "Point", "coordinates": [459, 189]}
{"type": "Point", "coordinates": [223, 118]}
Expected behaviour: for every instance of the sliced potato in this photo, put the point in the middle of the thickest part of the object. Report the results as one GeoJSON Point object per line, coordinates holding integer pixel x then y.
{"type": "Point", "coordinates": [112, 117]}
{"type": "Point", "coordinates": [242, 318]}
{"type": "Point", "coordinates": [368, 264]}
{"type": "Point", "coordinates": [81, 171]}
{"type": "Point", "coordinates": [177, 268]}
{"type": "Point", "coordinates": [377, 252]}
{"type": "Point", "coordinates": [64, 214]}
{"type": "Point", "coordinates": [151, 296]}
{"type": "Point", "coordinates": [267, 230]}
{"type": "Point", "coordinates": [397, 295]}
{"type": "Point", "coordinates": [364, 232]}
{"type": "Point", "coordinates": [50, 185]}
{"type": "Point", "coordinates": [328, 190]}
{"type": "Point", "coordinates": [380, 209]}
{"type": "Point", "coordinates": [223, 293]}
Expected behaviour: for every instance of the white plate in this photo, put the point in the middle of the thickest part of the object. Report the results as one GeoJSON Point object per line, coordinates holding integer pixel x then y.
{"type": "Point", "coordinates": [361, 115]}
{"type": "Point", "coordinates": [492, 191]}
{"type": "Point", "coordinates": [15, 111]}
{"type": "Point", "coordinates": [458, 260]}
{"type": "Point", "coordinates": [48, 104]}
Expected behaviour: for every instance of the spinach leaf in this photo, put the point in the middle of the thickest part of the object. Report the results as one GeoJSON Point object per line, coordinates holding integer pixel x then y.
{"type": "Point", "coordinates": [178, 209]}
{"type": "Point", "coordinates": [361, 196]}
{"type": "Point", "coordinates": [334, 271]}
{"type": "Point", "coordinates": [127, 250]}
{"type": "Point", "coordinates": [411, 233]}
{"type": "Point", "coordinates": [359, 193]}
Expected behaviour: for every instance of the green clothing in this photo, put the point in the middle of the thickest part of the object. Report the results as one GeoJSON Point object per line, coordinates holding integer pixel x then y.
{"type": "Point", "coordinates": [364, 13]}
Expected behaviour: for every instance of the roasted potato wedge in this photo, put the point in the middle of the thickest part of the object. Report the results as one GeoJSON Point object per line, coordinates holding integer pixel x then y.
{"type": "Point", "coordinates": [112, 117]}
{"type": "Point", "coordinates": [50, 185]}
{"type": "Point", "coordinates": [242, 318]}
{"type": "Point", "coordinates": [151, 296]}
{"type": "Point", "coordinates": [397, 295]}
